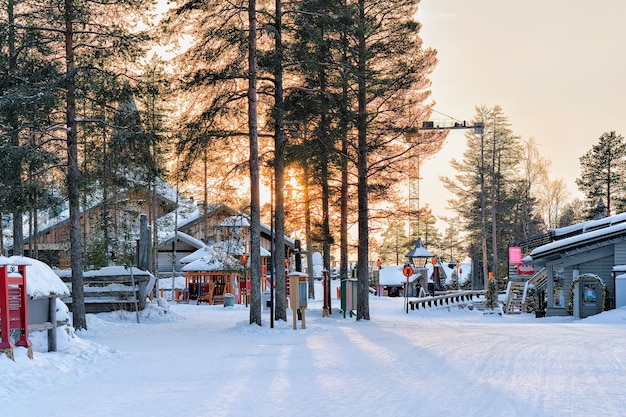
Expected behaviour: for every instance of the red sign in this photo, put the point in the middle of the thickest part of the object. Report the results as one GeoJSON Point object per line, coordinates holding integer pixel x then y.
{"type": "Point", "coordinates": [525, 269]}
{"type": "Point", "coordinates": [407, 271]}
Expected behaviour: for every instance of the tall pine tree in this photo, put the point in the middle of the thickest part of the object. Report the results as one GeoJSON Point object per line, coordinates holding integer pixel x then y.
{"type": "Point", "coordinates": [603, 175]}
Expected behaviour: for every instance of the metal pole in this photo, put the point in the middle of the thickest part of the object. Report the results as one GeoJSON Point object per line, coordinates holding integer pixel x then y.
{"type": "Point", "coordinates": [272, 248]}
{"type": "Point", "coordinates": [406, 295]}
{"type": "Point", "coordinates": [132, 281]}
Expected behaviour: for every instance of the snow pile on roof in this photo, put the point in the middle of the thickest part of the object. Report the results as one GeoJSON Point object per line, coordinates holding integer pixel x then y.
{"type": "Point", "coordinates": [200, 253]}
{"type": "Point", "coordinates": [586, 238]}
{"type": "Point", "coordinates": [109, 271]}
{"type": "Point", "coordinates": [236, 221]}
{"type": "Point", "coordinates": [590, 225]}
{"type": "Point", "coordinates": [166, 238]}
{"type": "Point", "coordinates": [215, 260]}
{"type": "Point", "coordinates": [236, 248]}
{"type": "Point", "coordinates": [41, 281]}
{"type": "Point", "coordinates": [392, 275]}
{"type": "Point", "coordinates": [186, 212]}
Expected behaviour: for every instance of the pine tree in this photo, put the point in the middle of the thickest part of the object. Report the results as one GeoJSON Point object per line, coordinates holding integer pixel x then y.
{"type": "Point", "coordinates": [28, 99]}
{"type": "Point", "coordinates": [394, 245]}
{"type": "Point", "coordinates": [487, 187]}
{"type": "Point", "coordinates": [603, 174]}
{"type": "Point", "coordinates": [531, 299]}
{"type": "Point", "coordinates": [491, 294]}
{"type": "Point", "coordinates": [88, 39]}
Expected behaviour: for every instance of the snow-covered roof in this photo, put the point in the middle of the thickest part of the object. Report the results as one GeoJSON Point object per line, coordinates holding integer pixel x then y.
{"type": "Point", "coordinates": [215, 260]}
{"type": "Point", "coordinates": [185, 213]}
{"type": "Point", "coordinates": [392, 275]}
{"type": "Point", "coordinates": [590, 225]}
{"type": "Point", "coordinates": [419, 251]}
{"type": "Point", "coordinates": [236, 221]}
{"type": "Point", "coordinates": [184, 237]}
{"type": "Point", "coordinates": [210, 265]}
{"type": "Point", "coordinates": [577, 240]}
{"type": "Point", "coordinates": [41, 281]}
{"type": "Point", "coordinates": [237, 248]}
{"type": "Point", "coordinates": [194, 256]}
{"type": "Point", "coordinates": [109, 271]}
{"type": "Point", "coordinates": [164, 191]}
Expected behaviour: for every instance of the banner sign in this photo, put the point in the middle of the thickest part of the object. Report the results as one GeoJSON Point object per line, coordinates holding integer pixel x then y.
{"type": "Point", "coordinates": [515, 254]}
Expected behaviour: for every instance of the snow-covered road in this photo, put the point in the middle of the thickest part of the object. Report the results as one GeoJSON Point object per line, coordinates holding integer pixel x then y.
{"type": "Point", "coordinates": [207, 361]}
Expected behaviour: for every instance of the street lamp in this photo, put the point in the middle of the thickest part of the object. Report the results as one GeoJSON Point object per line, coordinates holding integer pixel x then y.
{"type": "Point", "coordinates": [418, 257]}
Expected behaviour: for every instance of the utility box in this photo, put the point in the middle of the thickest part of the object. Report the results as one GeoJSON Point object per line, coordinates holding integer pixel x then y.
{"type": "Point", "coordinates": [349, 292]}
{"type": "Point", "coordinates": [620, 291]}
{"type": "Point", "coordinates": [267, 300]}
{"type": "Point", "coordinates": [298, 293]}
{"type": "Point", "coordinates": [229, 300]}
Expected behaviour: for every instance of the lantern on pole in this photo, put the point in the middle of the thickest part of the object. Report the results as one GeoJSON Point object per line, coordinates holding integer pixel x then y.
{"type": "Point", "coordinates": [419, 256]}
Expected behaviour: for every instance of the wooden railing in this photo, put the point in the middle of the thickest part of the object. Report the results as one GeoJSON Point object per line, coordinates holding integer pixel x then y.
{"type": "Point", "coordinates": [445, 299]}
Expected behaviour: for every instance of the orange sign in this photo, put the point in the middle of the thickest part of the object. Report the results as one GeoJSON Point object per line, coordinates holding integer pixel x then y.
{"type": "Point", "coordinates": [407, 270]}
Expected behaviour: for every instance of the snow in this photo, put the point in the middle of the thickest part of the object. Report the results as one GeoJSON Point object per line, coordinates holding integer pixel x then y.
{"type": "Point", "coordinates": [200, 253]}
{"type": "Point", "coordinates": [114, 271]}
{"type": "Point", "coordinates": [392, 274]}
{"type": "Point", "coordinates": [577, 239]}
{"type": "Point", "coordinates": [214, 259]}
{"type": "Point", "coordinates": [41, 281]}
{"type": "Point", "coordinates": [236, 221]}
{"type": "Point", "coordinates": [200, 360]}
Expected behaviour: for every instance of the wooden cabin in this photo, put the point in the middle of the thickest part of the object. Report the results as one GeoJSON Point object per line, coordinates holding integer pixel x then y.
{"type": "Point", "coordinates": [211, 276]}
{"type": "Point", "coordinates": [580, 265]}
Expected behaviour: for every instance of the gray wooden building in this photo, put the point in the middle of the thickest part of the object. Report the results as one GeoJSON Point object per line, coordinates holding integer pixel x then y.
{"type": "Point", "coordinates": [581, 264]}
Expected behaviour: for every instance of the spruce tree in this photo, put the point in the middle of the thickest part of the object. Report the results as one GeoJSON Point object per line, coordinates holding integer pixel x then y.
{"type": "Point", "coordinates": [487, 187]}
{"type": "Point", "coordinates": [87, 39]}
{"type": "Point", "coordinates": [603, 174]}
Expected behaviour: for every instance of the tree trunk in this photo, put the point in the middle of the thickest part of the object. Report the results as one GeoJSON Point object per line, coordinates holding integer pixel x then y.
{"type": "Point", "coordinates": [16, 171]}
{"type": "Point", "coordinates": [73, 192]}
{"type": "Point", "coordinates": [255, 200]}
{"type": "Point", "coordinates": [494, 184]}
{"type": "Point", "coordinates": [307, 229]}
{"type": "Point", "coordinates": [362, 189]}
{"type": "Point", "coordinates": [279, 174]}
{"type": "Point", "coordinates": [344, 127]}
{"type": "Point", "coordinates": [483, 226]}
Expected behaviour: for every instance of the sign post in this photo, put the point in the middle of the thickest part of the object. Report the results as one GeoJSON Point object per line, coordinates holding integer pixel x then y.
{"type": "Point", "coordinates": [407, 271]}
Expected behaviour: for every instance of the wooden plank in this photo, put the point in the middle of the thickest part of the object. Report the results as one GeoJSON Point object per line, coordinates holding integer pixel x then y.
{"type": "Point", "coordinates": [110, 279]}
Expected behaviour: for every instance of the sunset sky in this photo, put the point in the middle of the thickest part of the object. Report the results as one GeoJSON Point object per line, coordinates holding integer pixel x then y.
{"type": "Point", "coordinates": [557, 68]}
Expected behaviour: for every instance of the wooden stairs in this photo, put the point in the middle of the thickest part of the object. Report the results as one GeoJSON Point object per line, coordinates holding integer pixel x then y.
{"type": "Point", "coordinates": [516, 292]}
{"type": "Point", "coordinates": [515, 295]}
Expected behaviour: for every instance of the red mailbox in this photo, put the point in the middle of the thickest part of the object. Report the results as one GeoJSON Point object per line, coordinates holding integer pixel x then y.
{"type": "Point", "coordinates": [13, 308]}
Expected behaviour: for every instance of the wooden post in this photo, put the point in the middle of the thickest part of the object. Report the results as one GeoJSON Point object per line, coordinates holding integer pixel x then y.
{"type": "Point", "coordinates": [52, 317]}
{"type": "Point", "coordinates": [144, 245]}
{"type": "Point", "coordinates": [141, 294]}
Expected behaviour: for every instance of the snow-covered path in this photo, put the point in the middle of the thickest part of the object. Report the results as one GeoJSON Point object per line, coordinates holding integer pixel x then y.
{"type": "Point", "coordinates": [207, 361]}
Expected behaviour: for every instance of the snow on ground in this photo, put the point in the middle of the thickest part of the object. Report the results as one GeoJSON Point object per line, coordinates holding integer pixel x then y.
{"type": "Point", "coordinates": [199, 360]}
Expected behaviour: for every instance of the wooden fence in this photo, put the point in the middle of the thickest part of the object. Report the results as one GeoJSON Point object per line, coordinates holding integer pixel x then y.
{"type": "Point", "coordinates": [445, 299]}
